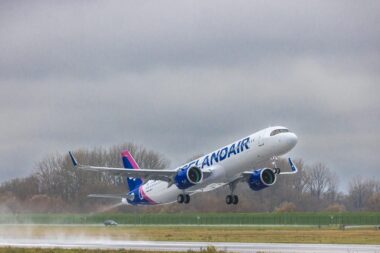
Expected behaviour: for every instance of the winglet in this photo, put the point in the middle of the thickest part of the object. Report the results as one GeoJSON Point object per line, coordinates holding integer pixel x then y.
{"type": "Point", "coordinates": [73, 160]}
{"type": "Point", "coordinates": [294, 168]}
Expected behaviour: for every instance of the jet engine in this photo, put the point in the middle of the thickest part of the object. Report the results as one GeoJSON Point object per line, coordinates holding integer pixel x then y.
{"type": "Point", "coordinates": [186, 178]}
{"type": "Point", "coordinates": [261, 179]}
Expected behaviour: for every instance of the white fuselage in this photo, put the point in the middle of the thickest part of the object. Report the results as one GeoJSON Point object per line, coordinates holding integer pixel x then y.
{"type": "Point", "coordinates": [226, 163]}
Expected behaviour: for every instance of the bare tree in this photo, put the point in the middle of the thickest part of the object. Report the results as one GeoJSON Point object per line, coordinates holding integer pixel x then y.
{"type": "Point", "coordinates": [373, 202]}
{"type": "Point", "coordinates": [360, 191]}
{"type": "Point", "coordinates": [21, 188]}
{"type": "Point", "coordinates": [58, 178]}
{"type": "Point", "coordinates": [60, 187]}
{"type": "Point", "coordinates": [319, 180]}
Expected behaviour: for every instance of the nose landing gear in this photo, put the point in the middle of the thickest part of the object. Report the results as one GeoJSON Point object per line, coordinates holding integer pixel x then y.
{"type": "Point", "coordinates": [275, 169]}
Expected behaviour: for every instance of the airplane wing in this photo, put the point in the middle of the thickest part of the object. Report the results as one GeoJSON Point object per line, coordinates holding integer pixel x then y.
{"type": "Point", "coordinates": [147, 174]}
{"type": "Point", "coordinates": [246, 174]}
{"type": "Point", "coordinates": [293, 168]}
{"type": "Point", "coordinates": [243, 177]}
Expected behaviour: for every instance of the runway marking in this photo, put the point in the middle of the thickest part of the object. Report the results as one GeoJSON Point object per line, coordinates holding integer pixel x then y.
{"type": "Point", "coordinates": [195, 246]}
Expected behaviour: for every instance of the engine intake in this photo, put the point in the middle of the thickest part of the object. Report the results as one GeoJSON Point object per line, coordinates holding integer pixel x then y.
{"type": "Point", "coordinates": [186, 178]}
{"type": "Point", "coordinates": [261, 179]}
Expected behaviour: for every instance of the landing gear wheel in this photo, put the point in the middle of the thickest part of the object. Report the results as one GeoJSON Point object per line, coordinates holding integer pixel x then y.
{"type": "Point", "coordinates": [180, 198]}
{"type": "Point", "coordinates": [187, 199]}
{"type": "Point", "coordinates": [235, 200]}
{"type": "Point", "coordinates": [229, 199]}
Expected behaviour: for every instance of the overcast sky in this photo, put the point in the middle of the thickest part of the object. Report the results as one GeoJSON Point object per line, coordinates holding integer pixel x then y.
{"type": "Point", "coordinates": [185, 77]}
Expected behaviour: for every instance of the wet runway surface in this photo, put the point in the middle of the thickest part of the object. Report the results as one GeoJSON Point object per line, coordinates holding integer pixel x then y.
{"type": "Point", "coordinates": [185, 246]}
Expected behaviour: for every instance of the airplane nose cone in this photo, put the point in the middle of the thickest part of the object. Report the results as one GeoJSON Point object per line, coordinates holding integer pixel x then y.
{"type": "Point", "coordinates": [292, 139]}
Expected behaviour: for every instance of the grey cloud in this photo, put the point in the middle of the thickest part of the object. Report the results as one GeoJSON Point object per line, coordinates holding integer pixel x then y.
{"type": "Point", "coordinates": [184, 78]}
{"type": "Point", "coordinates": [120, 36]}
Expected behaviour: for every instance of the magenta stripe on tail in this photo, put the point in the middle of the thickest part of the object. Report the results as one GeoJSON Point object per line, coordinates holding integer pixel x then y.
{"type": "Point", "coordinates": [128, 160]}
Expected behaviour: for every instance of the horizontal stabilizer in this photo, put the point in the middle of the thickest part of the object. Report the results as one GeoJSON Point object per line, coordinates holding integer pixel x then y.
{"type": "Point", "coordinates": [107, 196]}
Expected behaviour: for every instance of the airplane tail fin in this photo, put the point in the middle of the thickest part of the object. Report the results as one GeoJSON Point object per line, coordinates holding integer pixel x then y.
{"type": "Point", "coordinates": [130, 164]}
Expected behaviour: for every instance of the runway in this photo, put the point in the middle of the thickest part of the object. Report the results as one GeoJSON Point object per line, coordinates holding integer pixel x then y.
{"type": "Point", "coordinates": [194, 246]}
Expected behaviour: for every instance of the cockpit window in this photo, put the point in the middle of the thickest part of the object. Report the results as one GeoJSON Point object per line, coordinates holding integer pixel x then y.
{"type": "Point", "coordinates": [277, 131]}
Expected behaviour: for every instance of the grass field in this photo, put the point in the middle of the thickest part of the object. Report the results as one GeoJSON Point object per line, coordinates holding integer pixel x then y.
{"type": "Point", "coordinates": [323, 219]}
{"type": "Point", "coordinates": [39, 250]}
{"type": "Point", "coordinates": [195, 233]}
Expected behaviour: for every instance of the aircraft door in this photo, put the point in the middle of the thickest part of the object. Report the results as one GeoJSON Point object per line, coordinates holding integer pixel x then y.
{"type": "Point", "coordinates": [260, 141]}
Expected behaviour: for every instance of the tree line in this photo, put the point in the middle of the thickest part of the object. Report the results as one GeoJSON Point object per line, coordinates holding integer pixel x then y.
{"type": "Point", "coordinates": [55, 186]}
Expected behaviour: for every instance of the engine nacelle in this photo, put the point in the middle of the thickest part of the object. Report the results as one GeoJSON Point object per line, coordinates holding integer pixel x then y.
{"type": "Point", "coordinates": [186, 178]}
{"type": "Point", "coordinates": [261, 179]}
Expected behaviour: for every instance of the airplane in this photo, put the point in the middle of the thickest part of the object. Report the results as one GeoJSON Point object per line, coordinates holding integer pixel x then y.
{"type": "Point", "coordinates": [240, 161]}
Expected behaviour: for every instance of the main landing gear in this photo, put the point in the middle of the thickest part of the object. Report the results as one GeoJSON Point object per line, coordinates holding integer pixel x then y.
{"type": "Point", "coordinates": [183, 198]}
{"type": "Point", "coordinates": [232, 199]}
